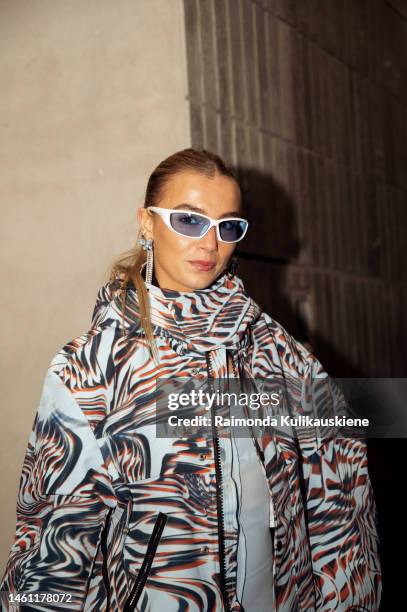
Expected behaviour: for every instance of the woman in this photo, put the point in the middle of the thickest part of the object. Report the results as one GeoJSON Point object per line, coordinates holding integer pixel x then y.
{"type": "Point", "coordinates": [122, 519]}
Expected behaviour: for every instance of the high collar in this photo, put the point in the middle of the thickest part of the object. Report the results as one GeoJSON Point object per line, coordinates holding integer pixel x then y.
{"type": "Point", "coordinates": [200, 320]}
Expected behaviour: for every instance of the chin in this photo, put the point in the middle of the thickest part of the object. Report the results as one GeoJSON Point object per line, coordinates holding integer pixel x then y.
{"type": "Point", "coordinates": [186, 280]}
{"type": "Point", "coordinates": [207, 279]}
{"type": "Point", "coordinates": [200, 280]}
{"type": "Point", "coordinates": [196, 284]}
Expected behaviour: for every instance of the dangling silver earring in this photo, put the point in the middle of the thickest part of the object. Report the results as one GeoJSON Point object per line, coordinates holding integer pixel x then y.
{"type": "Point", "coordinates": [147, 245]}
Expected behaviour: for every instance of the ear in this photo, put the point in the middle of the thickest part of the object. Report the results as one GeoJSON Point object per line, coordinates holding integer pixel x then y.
{"type": "Point", "coordinates": [145, 220]}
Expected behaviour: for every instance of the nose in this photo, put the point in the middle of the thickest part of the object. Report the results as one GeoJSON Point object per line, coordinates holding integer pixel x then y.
{"type": "Point", "coordinates": [210, 241]}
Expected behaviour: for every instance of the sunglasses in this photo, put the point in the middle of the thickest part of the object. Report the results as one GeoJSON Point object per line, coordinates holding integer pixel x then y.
{"type": "Point", "coordinates": [195, 225]}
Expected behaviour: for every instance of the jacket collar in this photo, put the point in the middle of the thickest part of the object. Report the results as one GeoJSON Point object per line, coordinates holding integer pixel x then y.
{"type": "Point", "coordinates": [200, 320]}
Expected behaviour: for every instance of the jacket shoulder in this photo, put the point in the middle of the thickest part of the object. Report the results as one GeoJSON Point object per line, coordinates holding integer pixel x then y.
{"type": "Point", "coordinates": [86, 367]}
{"type": "Point", "coordinates": [291, 354]}
{"type": "Point", "coordinates": [78, 350]}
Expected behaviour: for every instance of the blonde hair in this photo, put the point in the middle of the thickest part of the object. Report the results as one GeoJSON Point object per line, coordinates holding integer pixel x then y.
{"type": "Point", "coordinates": [128, 266]}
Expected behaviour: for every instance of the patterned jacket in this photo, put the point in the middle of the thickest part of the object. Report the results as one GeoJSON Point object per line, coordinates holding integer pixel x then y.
{"type": "Point", "coordinates": [120, 519]}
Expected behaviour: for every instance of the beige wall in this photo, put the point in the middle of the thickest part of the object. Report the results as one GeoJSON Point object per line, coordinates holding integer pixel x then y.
{"type": "Point", "coordinates": [93, 97]}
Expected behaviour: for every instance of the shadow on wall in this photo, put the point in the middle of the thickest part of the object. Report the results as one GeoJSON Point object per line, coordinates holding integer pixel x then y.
{"type": "Point", "coordinates": [269, 257]}
{"type": "Point", "coordinates": [275, 265]}
{"type": "Point", "coordinates": [271, 244]}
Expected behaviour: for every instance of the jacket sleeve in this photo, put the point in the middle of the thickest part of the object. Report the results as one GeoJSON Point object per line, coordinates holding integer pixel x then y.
{"type": "Point", "coordinates": [340, 507]}
{"type": "Point", "coordinates": [63, 503]}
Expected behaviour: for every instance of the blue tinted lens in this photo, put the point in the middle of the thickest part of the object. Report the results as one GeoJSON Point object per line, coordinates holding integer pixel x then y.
{"type": "Point", "coordinates": [232, 230]}
{"type": "Point", "coordinates": [189, 224]}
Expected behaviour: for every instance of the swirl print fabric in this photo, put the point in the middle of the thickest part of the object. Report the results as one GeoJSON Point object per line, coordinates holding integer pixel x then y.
{"type": "Point", "coordinates": [124, 520]}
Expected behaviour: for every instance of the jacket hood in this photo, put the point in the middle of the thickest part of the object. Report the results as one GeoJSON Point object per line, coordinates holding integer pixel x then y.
{"type": "Point", "coordinates": [200, 320]}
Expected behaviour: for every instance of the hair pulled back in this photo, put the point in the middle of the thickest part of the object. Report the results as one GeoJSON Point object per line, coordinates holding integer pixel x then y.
{"type": "Point", "coordinates": [128, 266]}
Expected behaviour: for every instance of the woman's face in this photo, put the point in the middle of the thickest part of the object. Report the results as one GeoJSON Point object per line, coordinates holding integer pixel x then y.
{"type": "Point", "coordinates": [178, 260]}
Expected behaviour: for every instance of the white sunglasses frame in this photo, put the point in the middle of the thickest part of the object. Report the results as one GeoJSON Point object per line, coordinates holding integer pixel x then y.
{"type": "Point", "coordinates": [165, 213]}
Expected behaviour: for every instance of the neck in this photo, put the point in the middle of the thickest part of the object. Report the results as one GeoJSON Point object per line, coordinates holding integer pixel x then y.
{"type": "Point", "coordinates": [154, 280]}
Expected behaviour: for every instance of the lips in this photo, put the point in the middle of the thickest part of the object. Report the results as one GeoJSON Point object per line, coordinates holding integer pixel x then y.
{"type": "Point", "coordinates": [204, 266]}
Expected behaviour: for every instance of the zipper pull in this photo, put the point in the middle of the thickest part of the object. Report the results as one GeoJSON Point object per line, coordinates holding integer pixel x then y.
{"type": "Point", "coordinates": [272, 516]}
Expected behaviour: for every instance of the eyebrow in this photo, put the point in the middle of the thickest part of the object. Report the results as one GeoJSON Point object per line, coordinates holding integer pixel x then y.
{"type": "Point", "coordinates": [201, 210]}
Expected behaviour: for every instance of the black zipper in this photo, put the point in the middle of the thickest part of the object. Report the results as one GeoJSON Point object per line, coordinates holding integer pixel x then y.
{"type": "Point", "coordinates": [142, 576]}
{"type": "Point", "coordinates": [219, 493]}
{"type": "Point", "coordinates": [103, 546]}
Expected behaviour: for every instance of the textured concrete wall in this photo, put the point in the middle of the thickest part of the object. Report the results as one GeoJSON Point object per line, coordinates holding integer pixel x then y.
{"type": "Point", "coordinates": [307, 101]}
{"type": "Point", "coordinates": [93, 97]}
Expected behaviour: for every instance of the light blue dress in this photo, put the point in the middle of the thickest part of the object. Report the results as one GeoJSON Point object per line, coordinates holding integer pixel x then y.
{"type": "Point", "coordinates": [248, 511]}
